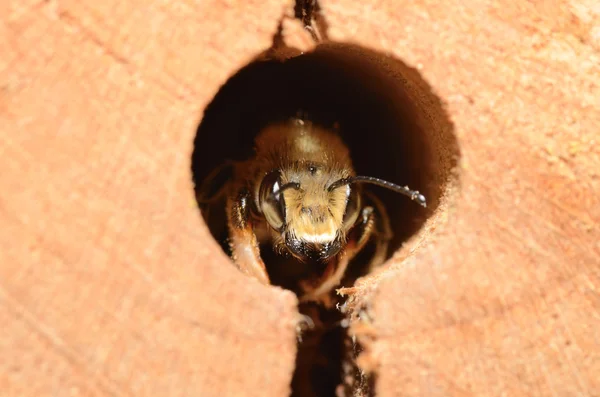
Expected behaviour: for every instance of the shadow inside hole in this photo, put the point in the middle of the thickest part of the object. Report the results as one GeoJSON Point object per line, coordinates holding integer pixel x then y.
{"type": "Point", "coordinates": [395, 127]}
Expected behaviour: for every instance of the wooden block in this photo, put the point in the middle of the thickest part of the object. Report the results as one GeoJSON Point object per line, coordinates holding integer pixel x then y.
{"type": "Point", "coordinates": [110, 283]}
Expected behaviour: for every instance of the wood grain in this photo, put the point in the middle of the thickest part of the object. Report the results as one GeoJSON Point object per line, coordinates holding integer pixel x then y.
{"type": "Point", "coordinates": [111, 286]}
{"type": "Point", "coordinates": [503, 296]}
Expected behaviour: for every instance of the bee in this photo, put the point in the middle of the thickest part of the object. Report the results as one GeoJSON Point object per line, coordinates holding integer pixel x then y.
{"type": "Point", "coordinates": [299, 193]}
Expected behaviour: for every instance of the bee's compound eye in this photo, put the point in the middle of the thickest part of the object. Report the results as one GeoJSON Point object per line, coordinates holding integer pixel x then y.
{"type": "Point", "coordinates": [271, 200]}
{"type": "Point", "coordinates": [352, 207]}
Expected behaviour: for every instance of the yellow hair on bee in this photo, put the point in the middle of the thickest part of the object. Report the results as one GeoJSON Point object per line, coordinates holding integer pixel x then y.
{"type": "Point", "coordinates": [314, 158]}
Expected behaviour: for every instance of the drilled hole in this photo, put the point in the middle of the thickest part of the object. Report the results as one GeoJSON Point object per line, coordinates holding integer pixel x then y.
{"type": "Point", "coordinates": [394, 126]}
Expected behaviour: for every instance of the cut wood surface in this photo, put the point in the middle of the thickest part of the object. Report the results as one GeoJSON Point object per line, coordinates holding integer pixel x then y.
{"type": "Point", "coordinates": [110, 284]}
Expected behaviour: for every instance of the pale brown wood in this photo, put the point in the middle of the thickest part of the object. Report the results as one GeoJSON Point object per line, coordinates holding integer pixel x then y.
{"type": "Point", "coordinates": [111, 285]}
{"type": "Point", "coordinates": [502, 297]}
{"type": "Point", "coordinates": [109, 282]}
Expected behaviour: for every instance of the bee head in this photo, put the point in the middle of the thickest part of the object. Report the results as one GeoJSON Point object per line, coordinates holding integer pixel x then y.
{"type": "Point", "coordinates": [311, 215]}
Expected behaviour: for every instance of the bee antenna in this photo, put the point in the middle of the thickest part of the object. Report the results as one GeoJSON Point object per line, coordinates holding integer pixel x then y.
{"type": "Point", "coordinates": [413, 194]}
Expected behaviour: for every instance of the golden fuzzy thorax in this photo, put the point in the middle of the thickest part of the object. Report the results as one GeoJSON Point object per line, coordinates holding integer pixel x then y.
{"type": "Point", "coordinates": [314, 158]}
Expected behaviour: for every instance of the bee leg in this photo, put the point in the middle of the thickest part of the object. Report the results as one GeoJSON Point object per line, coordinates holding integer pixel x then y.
{"type": "Point", "coordinates": [333, 275]}
{"type": "Point", "coordinates": [243, 241]}
{"type": "Point", "coordinates": [215, 185]}
{"type": "Point", "coordinates": [211, 195]}
{"type": "Point", "coordinates": [382, 231]}
{"type": "Point", "coordinates": [366, 228]}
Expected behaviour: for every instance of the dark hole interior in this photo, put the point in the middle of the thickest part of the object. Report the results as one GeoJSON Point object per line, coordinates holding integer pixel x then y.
{"type": "Point", "coordinates": [395, 127]}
